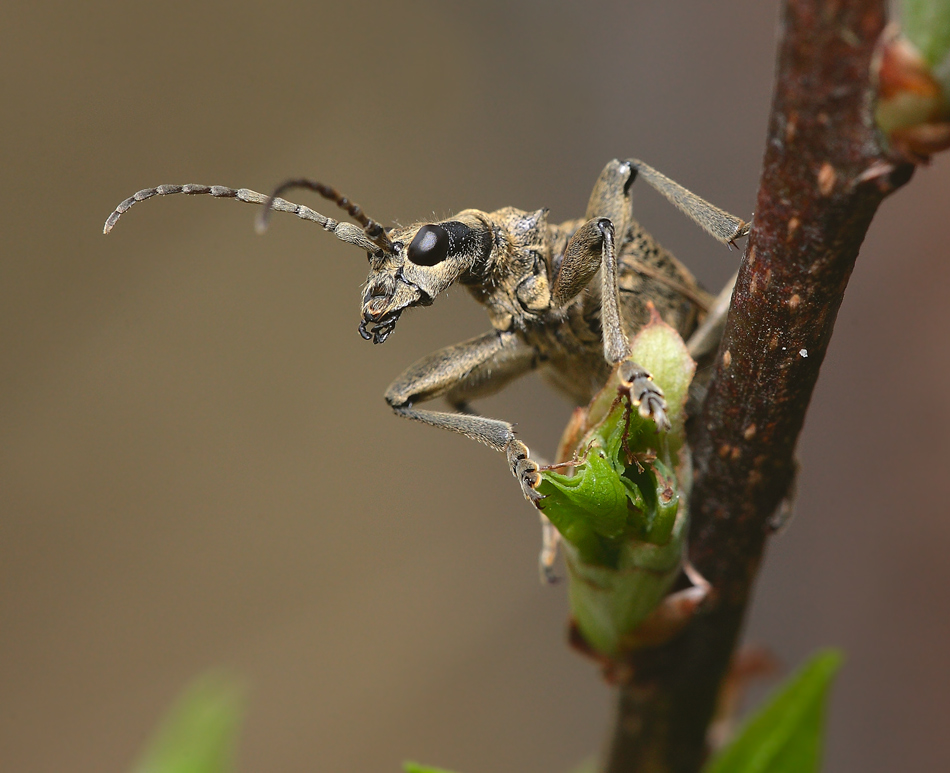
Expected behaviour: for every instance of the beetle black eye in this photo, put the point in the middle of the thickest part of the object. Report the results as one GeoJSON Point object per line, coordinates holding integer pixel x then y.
{"type": "Point", "coordinates": [430, 246]}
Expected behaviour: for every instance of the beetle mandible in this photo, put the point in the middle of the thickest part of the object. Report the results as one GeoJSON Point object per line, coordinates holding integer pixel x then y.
{"type": "Point", "coordinates": [561, 298]}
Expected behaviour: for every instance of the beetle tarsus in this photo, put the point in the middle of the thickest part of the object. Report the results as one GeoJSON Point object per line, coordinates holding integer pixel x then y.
{"type": "Point", "coordinates": [525, 470]}
{"type": "Point", "coordinates": [646, 395]}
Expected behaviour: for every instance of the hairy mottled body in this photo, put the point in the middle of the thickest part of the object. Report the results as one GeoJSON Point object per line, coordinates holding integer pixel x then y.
{"type": "Point", "coordinates": [569, 340]}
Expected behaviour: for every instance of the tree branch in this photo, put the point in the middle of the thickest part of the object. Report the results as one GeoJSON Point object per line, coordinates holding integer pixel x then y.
{"type": "Point", "coordinates": [825, 173]}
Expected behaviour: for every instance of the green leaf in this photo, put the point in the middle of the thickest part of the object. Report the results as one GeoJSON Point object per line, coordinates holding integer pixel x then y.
{"type": "Point", "coordinates": [415, 767]}
{"type": "Point", "coordinates": [786, 735]}
{"type": "Point", "coordinates": [199, 733]}
{"type": "Point", "coordinates": [926, 24]}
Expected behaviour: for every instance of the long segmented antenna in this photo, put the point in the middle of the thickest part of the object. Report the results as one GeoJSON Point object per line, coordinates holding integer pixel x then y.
{"type": "Point", "coordinates": [373, 230]}
{"type": "Point", "coordinates": [346, 232]}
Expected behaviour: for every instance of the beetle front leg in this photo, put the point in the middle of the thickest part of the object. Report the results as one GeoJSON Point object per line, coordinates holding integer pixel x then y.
{"type": "Point", "coordinates": [474, 368]}
{"type": "Point", "coordinates": [493, 433]}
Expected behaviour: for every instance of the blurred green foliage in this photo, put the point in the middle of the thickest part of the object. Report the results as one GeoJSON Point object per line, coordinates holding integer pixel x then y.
{"type": "Point", "coordinates": [926, 23]}
{"type": "Point", "coordinates": [785, 735]}
{"type": "Point", "coordinates": [199, 733]}
{"type": "Point", "coordinates": [415, 767]}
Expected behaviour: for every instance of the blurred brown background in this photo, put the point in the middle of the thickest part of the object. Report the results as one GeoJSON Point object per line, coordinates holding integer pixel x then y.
{"type": "Point", "coordinates": [197, 464]}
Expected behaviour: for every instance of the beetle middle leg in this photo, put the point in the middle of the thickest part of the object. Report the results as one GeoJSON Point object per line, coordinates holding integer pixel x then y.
{"type": "Point", "coordinates": [474, 368]}
{"type": "Point", "coordinates": [592, 248]}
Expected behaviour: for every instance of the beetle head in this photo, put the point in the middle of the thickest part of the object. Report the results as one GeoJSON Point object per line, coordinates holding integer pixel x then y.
{"type": "Point", "coordinates": [424, 260]}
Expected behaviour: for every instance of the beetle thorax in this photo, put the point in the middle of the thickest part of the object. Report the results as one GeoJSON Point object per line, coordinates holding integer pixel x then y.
{"type": "Point", "coordinates": [516, 286]}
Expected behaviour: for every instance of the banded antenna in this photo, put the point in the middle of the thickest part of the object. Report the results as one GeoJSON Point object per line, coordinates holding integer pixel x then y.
{"type": "Point", "coordinates": [373, 230]}
{"type": "Point", "coordinates": [347, 232]}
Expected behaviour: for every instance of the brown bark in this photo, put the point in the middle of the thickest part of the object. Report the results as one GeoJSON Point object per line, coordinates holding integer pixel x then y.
{"type": "Point", "coordinates": [825, 173]}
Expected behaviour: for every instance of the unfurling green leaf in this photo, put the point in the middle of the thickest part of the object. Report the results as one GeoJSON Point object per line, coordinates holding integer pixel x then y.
{"type": "Point", "coordinates": [622, 485]}
{"type": "Point", "coordinates": [785, 736]}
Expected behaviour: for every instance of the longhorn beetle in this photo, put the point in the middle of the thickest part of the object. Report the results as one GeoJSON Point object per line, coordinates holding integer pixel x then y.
{"type": "Point", "coordinates": [562, 298]}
